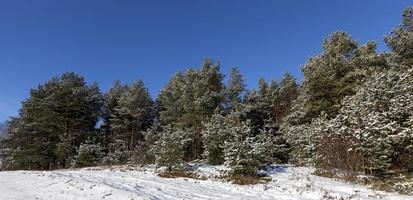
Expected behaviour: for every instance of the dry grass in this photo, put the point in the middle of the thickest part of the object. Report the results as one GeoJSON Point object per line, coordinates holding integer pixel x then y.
{"type": "Point", "coordinates": [181, 174]}
{"type": "Point", "coordinates": [248, 179]}
{"type": "Point", "coordinates": [237, 179]}
{"type": "Point", "coordinates": [382, 185]}
{"type": "Point", "coordinates": [401, 183]}
{"type": "Point", "coordinates": [324, 173]}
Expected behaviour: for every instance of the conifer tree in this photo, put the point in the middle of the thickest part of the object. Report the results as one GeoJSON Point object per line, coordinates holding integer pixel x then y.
{"type": "Point", "coordinates": [111, 142]}
{"type": "Point", "coordinates": [169, 149]}
{"type": "Point", "coordinates": [256, 110]}
{"type": "Point", "coordinates": [88, 155]}
{"type": "Point", "coordinates": [215, 133]}
{"type": "Point", "coordinates": [56, 118]}
{"type": "Point", "coordinates": [239, 152]}
{"type": "Point", "coordinates": [144, 154]}
{"type": "Point", "coordinates": [284, 97]}
{"type": "Point", "coordinates": [401, 38]}
{"type": "Point", "coordinates": [234, 89]}
{"type": "Point", "coordinates": [132, 116]}
{"type": "Point", "coordinates": [271, 147]}
{"type": "Point", "coordinates": [323, 75]}
{"type": "Point", "coordinates": [378, 119]}
{"type": "Point", "coordinates": [329, 77]}
{"type": "Point", "coordinates": [189, 99]}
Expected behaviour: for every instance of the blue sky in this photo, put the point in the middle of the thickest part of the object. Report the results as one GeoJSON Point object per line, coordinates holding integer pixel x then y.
{"type": "Point", "coordinates": [107, 40]}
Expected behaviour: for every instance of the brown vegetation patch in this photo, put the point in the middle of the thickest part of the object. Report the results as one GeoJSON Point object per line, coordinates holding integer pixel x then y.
{"type": "Point", "coordinates": [181, 174]}
{"type": "Point", "coordinates": [249, 179]}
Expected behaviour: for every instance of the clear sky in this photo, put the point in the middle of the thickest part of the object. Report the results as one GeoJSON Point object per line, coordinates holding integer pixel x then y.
{"type": "Point", "coordinates": [107, 40]}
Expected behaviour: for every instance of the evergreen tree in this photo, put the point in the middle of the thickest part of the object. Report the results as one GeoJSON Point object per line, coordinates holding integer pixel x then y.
{"type": "Point", "coordinates": [53, 122]}
{"type": "Point", "coordinates": [214, 135]}
{"type": "Point", "coordinates": [110, 141]}
{"type": "Point", "coordinates": [378, 119]}
{"type": "Point", "coordinates": [300, 137]}
{"type": "Point", "coordinates": [132, 116]}
{"type": "Point", "coordinates": [256, 110]}
{"type": "Point", "coordinates": [143, 152]}
{"type": "Point", "coordinates": [323, 75]}
{"type": "Point", "coordinates": [401, 38]}
{"type": "Point", "coordinates": [88, 155]}
{"type": "Point", "coordinates": [373, 126]}
{"type": "Point", "coordinates": [239, 152]}
{"type": "Point", "coordinates": [329, 77]}
{"type": "Point", "coordinates": [234, 89]}
{"type": "Point", "coordinates": [169, 149]}
{"type": "Point", "coordinates": [284, 97]}
{"type": "Point", "coordinates": [271, 147]}
{"type": "Point", "coordinates": [189, 99]}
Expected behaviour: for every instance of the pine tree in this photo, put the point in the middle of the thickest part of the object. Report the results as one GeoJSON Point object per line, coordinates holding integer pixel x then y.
{"type": "Point", "coordinates": [375, 123]}
{"type": "Point", "coordinates": [234, 89]}
{"type": "Point", "coordinates": [111, 142]}
{"type": "Point", "coordinates": [240, 153]}
{"type": "Point", "coordinates": [88, 155]}
{"type": "Point", "coordinates": [329, 78]}
{"type": "Point", "coordinates": [401, 38]}
{"type": "Point", "coordinates": [53, 122]}
{"type": "Point", "coordinates": [189, 99]}
{"type": "Point", "coordinates": [271, 147]}
{"type": "Point", "coordinates": [284, 97]}
{"type": "Point", "coordinates": [215, 133]}
{"type": "Point", "coordinates": [132, 116]}
{"type": "Point", "coordinates": [256, 109]}
{"type": "Point", "coordinates": [143, 152]}
{"type": "Point", "coordinates": [241, 157]}
{"type": "Point", "coordinates": [300, 138]}
{"type": "Point", "coordinates": [169, 149]}
{"type": "Point", "coordinates": [323, 74]}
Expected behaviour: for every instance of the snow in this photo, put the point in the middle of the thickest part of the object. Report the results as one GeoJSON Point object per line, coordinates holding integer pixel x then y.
{"type": "Point", "coordinates": [123, 182]}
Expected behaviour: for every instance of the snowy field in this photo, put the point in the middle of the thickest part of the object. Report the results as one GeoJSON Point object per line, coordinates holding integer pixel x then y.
{"type": "Point", "coordinates": [123, 182]}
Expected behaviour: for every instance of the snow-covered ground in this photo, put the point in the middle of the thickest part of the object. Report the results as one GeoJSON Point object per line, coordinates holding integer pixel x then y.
{"type": "Point", "coordinates": [123, 182]}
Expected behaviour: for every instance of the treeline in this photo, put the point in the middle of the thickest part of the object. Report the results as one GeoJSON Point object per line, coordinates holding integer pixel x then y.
{"type": "Point", "coordinates": [352, 114]}
{"type": "Point", "coordinates": [67, 123]}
